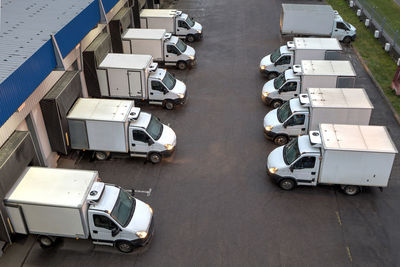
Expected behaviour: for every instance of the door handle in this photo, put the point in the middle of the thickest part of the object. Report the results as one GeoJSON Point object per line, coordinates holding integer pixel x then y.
{"type": "Point", "coordinates": [312, 173]}
{"type": "Point", "coordinates": [303, 129]}
{"type": "Point", "coordinates": [177, 30]}
{"type": "Point", "coordinates": [152, 93]}
{"type": "Point", "coordinates": [95, 231]}
{"type": "Point", "coordinates": [295, 94]}
{"type": "Point", "coordinates": [166, 56]}
{"type": "Point", "coordinates": [133, 144]}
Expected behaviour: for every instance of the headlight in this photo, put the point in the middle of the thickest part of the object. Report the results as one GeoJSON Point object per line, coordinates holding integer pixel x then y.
{"type": "Point", "coordinates": [181, 95]}
{"type": "Point", "coordinates": [169, 147]}
{"type": "Point", "coordinates": [268, 128]}
{"type": "Point", "coordinates": [191, 57]}
{"type": "Point", "coordinates": [199, 31]}
{"type": "Point", "coordinates": [142, 234]}
{"type": "Point", "coordinates": [262, 67]}
{"type": "Point", "coordinates": [151, 209]}
{"type": "Point", "coordinates": [273, 170]}
{"type": "Point", "coordinates": [265, 94]}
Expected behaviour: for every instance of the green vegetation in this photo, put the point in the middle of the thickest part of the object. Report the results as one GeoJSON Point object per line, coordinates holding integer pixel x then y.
{"type": "Point", "coordinates": [378, 61]}
{"type": "Point", "coordinates": [388, 9]}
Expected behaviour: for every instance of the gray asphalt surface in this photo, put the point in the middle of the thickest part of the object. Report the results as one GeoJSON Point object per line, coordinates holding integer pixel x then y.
{"type": "Point", "coordinates": [214, 204]}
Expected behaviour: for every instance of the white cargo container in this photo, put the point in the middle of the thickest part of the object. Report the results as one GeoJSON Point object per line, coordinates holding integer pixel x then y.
{"type": "Point", "coordinates": [315, 20]}
{"type": "Point", "coordinates": [173, 21]}
{"type": "Point", "coordinates": [162, 46]}
{"type": "Point", "coordinates": [302, 114]}
{"type": "Point", "coordinates": [351, 156]}
{"type": "Point", "coordinates": [297, 50]}
{"type": "Point", "coordinates": [108, 125]}
{"type": "Point", "coordinates": [55, 203]}
{"type": "Point", "coordinates": [137, 77]}
{"type": "Point", "coordinates": [310, 74]}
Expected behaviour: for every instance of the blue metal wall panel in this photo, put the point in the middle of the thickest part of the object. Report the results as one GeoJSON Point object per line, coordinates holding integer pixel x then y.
{"type": "Point", "coordinates": [72, 33]}
{"type": "Point", "coordinates": [109, 4]}
{"type": "Point", "coordinates": [22, 82]}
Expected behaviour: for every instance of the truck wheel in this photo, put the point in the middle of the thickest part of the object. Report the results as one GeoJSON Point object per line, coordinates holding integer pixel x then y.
{"type": "Point", "coordinates": [102, 155]}
{"type": "Point", "coordinates": [351, 190]}
{"type": "Point", "coordinates": [155, 157]}
{"type": "Point", "coordinates": [190, 38]}
{"type": "Point", "coordinates": [45, 241]}
{"type": "Point", "coordinates": [347, 40]}
{"type": "Point", "coordinates": [281, 140]}
{"type": "Point", "coordinates": [276, 103]}
{"type": "Point", "coordinates": [169, 105]}
{"type": "Point", "coordinates": [182, 65]}
{"type": "Point", "coordinates": [287, 184]}
{"type": "Point", "coordinates": [272, 75]}
{"type": "Point", "coordinates": [124, 246]}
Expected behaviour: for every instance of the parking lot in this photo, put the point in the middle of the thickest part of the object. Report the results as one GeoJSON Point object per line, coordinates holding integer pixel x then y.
{"type": "Point", "coordinates": [214, 204]}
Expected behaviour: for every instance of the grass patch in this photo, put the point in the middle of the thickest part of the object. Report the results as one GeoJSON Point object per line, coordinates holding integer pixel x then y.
{"type": "Point", "coordinates": [378, 61]}
{"type": "Point", "coordinates": [388, 9]}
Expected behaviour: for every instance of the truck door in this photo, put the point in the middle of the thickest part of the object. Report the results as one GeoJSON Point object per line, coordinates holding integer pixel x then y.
{"type": "Point", "coordinates": [102, 228]}
{"type": "Point", "coordinates": [172, 53]}
{"type": "Point", "coordinates": [157, 91]}
{"type": "Point", "coordinates": [288, 90]}
{"type": "Point", "coordinates": [340, 31]}
{"type": "Point", "coordinates": [182, 28]}
{"type": "Point", "coordinates": [139, 142]}
{"type": "Point", "coordinates": [296, 124]}
{"type": "Point", "coordinates": [283, 63]}
{"type": "Point", "coordinates": [305, 170]}
{"type": "Point", "coordinates": [135, 85]}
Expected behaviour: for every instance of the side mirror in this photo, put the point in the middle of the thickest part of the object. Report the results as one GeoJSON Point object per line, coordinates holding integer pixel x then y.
{"type": "Point", "coordinates": [291, 168]}
{"type": "Point", "coordinates": [132, 192]}
{"type": "Point", "coordinates": [284, 124]}
{"type": "Point", "coordinates": [115, 231]}
{"type": "Point", "coordinates": [150, 142]}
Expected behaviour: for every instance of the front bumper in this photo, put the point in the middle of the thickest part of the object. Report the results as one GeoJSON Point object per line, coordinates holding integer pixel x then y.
{"type": "Point", "coordinates": [181, 101]}
{"type": "Point", "coordinates": [168, 153]}
{"type": "Point", "coordinates": [191, 62]}
{"type": "Point", "coordinates": [198, 36]}
{"type": "Point", "coordinates": [269, 134]}
{"type": "Point", "coordinates": [267, 100]}
{"type": "Point", "coordinates": [353, 38]}
{"type": "Point", "coordinates": [143, 242]}
{"type": "Point", "coordinates": [274, 176]}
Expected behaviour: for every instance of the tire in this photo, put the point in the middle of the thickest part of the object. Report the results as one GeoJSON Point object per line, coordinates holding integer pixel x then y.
{"type": "Point", "coordinates": [182, 65]}
{"type": "Point", "coordinates": [347, 40]}
{"type": "Point", "coordinates": [351, 190]}
{"type": "Point", "coordinates": [276, 103]}
{"type": "Point", "coordinates": [287, 184]}
{"type": "Point", "coordinates": [124, 246]}
{"type": "Point", "coordinates": [169, 105]}
{"type": "Point", "coordinates": [101, 155]}
{"type": "Point", "coordinates": [272, 75]}
{"type": "Point", "coordinates": [45, 241]}
{"type": "Point", "coordinates": [190, 38]}
{"type": "Point", "coordinates": [281, 140]}
{"type": "Point", "coordinates": [155, 157]}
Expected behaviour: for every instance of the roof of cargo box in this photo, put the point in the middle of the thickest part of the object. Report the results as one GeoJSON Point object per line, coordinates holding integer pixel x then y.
{"type": "Point", "coordinates": [158, 12]}
{"type": "Point", "coordinates": [308, 8]}
{"type": "Point", "coordinates": [126, 61]}
{"type": "Point", "coordinates": [317, 43]}
{"type": "Point", "coordinates": [339, 97]}
{"type": "Point", "coordinates": [115, 110]}
{"type": "Point", "coordinates": [52, 187]}
{"type": "Point", "coordinates": [327, 67]}
{"type": "Point", "coordinates": [356, 138]}
{"type": "Point", "coordinates": [145, 34]}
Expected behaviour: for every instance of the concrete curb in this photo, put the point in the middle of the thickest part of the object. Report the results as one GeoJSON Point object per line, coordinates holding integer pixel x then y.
{"type": "Point", "coordinates": [395, 115]}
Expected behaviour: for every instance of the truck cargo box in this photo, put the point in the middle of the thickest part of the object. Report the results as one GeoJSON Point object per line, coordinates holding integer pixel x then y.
{"type": "Point", "coordinates": [307, 19]}
{"type": "Point", "coordinates": [356, 154]}
{"type": "Point", "coordinates": [338, 105]}
{"type": "Point", "coordinates": [145, 41]}
{"type": "Point", "coordinates": [158, 19]}
{"type": "Point", "coordinates": [100, 124]}
{"type": "Point", "coordinates": [315, 48]}
{"type": "Point", "coordinates": [51, 202]}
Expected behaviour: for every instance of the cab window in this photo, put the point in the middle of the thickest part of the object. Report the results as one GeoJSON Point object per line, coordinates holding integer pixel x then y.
{"type": "Point", "coordinates": [296, 120]}
{"type": "Point", "coordinates": [283, 60]}
{"type": "Point", "coordinates": [341, 25]}
{"type": "Point", "coordinates": [290, 86]}
{"type": "Point", "coordinates": [305, 163]}
{"type": "Point", "coordinates": [172, 49]}
{"type": "Point", "coordinates": [182, 24]}
{"type": "Point", "coordinates": [156, 85]}
{"type": "Point", "coordinates": [103, 222]}
{"type": "Point", "coordinates": [140, 136]}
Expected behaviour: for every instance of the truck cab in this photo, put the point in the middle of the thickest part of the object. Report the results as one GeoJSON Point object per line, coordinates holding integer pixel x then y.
{"type": "Point", "coordinates": [290, 119]}
{"type": "Point", "coordinates": [165, 90]}
{"type": "Point", "coordinates": [277, 62]}
{"type": "Point", "coordinates": [281, 89]}
{"type": "Point", "coordinates": [148, 137]}
{"type": "Point", "coordinates": [186, 26]}
{"type": "Point", "coordinates": [179, 53]}
{"type": "Point", "coordinates": [118, 219]}
{"type": "Point", "coordinates": [296, 163]}
{"type": "Point", "coordinates": [343, 30]}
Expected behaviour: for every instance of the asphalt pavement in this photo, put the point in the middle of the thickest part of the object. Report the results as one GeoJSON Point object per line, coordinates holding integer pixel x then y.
{"type": "Point", "coordinates": [214, 204]}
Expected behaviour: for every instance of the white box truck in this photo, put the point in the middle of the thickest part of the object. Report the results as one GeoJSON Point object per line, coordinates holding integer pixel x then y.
{"type": "Point", "coordinates": [165, 49]}
{"type": "Point", "coordinates": [297, 50]}
{"type": "Point", "coordinates": [310, 74]}
{"type": "Point", "coordinates": [351, 156]}
{"type": "Point", "coordinates": [315, 20]}
{"type": "Point", "coordinates": [55, 203]}
{"type": "Point", "coordinates": [173, 21]}
{"type": "Point", "coordinates": [110, 125]}
{"type": "Point", "coordinates": [137, 77]}
{"type": "Point", "coordinates": [303, 114]}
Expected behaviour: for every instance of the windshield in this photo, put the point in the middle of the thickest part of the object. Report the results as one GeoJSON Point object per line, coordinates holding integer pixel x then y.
{"type": "Point", "coordinates": [275, 55]}
{"type": "Point", "coordinates": [169, 81]}
{"type": "Point", "coordinates": [347, 25]}
{"type": "Point", "coordinates": [291, 151]}
{"type": "Point", "coordinates": [189, 21]}
{"type": "Point", "coordinates": [154, 128]}
{"type": "Point", "coordinates": [124, 208]}
{"type": "Point", "coordinates": [181, 45]}
{"type": "Point", "coordinates": [284, 112]}
{"type": "Point", "coordinates": [279, 81]}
